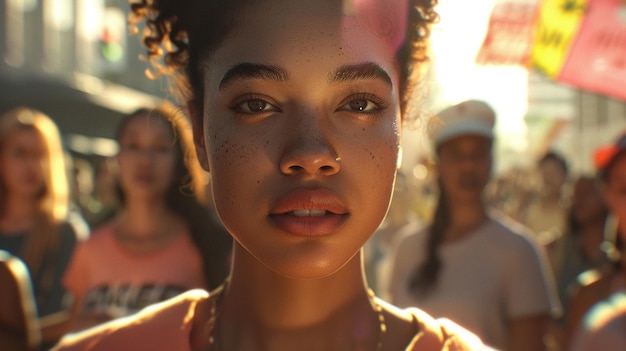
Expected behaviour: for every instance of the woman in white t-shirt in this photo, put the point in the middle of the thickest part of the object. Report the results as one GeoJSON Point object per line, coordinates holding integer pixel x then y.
{"type": "Point", "coordinates": [481, 271]}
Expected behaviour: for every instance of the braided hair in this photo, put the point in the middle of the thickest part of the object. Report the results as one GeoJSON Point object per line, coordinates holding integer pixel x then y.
{"type": "Point", "coordinates": [424, 277]}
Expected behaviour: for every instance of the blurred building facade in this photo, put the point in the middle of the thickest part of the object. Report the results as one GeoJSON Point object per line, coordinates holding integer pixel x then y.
{"type": "Point", "coordinates": [74, 60]}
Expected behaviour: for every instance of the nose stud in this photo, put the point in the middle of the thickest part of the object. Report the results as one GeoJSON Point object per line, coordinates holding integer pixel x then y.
{"type": "Point", "coordinates": [338, 159]}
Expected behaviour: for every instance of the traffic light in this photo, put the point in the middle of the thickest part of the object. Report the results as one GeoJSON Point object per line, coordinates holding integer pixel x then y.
{"type": "Point", "coordinates": [113, 41]}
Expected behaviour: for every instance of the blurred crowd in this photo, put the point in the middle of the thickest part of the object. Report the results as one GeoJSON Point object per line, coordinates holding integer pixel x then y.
{"type": "Point", "coordinates": [529, 254]}
{"type": "Point", "coordinates": [83, 242]}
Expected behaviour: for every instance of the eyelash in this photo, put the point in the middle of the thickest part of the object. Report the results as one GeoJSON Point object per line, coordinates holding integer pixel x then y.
{"type": "Point", "coordinates": [379, 103]}
{"type": "Point", "coordinates": [237, 105]}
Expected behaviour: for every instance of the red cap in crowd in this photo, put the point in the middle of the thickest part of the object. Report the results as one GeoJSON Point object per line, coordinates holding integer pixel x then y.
{"type": "Point", "coordinates": [603, 156]}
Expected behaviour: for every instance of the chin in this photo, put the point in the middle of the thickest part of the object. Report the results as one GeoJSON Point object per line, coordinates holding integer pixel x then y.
{"type": "Point", "coordinates": [147, 192]}
{"type": "Point", "coordinates": [309, 272]}
{"type": "Point", "coordinates": [301, 264]}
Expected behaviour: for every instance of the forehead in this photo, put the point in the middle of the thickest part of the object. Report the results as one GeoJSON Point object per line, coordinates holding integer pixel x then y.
{"type": "Point", "coordinates": [466, 142]}
{"type": "Point", "coordinates": [310, 33]}
{"type": "Point", "coordinates": [145, 124]}
{"type": "Point", "coordinates": [552, 163]}
{"type": "Point", "coordinates": [24, 137]}
{"type": "Point", "coordinates": [24, 134]}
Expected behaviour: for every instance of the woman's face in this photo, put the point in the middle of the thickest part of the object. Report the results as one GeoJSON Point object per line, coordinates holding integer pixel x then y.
{"type": "Point", "coordinates": [464, 167]}
{"type": "Point", "coordinates": [615, 190]}
{"type": "Point", "coordinates": [301, 128]}
{"type": "Point", "coordinates": [22, 163]}
{"type": "Point", "coordinates": [553, 176]}
{"type": "Point", "coordinates": [146, 158]}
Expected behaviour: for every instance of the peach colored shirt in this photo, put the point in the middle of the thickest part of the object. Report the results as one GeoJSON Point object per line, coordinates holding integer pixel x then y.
{"type": "Point", "coordinates": [109, 280]}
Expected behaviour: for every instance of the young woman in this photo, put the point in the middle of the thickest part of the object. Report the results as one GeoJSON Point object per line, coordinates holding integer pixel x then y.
{"type": "Point", "coordinates": [33, 210]}
{"type": "Point", "coordinates": [160, 244]}
{"type": "Point", "coordinates": [545, 213]}
{"type": "Point", "coordinates": [469, 264]}
{"type": "Point", "coordinates": [297, 108]}
{"type": "Point", "coordinates": [582, 242]}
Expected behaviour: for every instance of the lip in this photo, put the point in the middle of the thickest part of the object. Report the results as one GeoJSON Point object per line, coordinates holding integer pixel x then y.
{"type": "Point", "coordinates": [282, 212]}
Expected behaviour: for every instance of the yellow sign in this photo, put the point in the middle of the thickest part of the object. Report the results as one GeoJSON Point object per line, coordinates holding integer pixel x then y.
{"type": "Point", "coordinates": [558, 24]}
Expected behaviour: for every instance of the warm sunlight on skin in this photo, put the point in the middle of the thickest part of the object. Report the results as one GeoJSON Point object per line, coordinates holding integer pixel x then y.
{"type": "Point", "coordinates": [309, 89]}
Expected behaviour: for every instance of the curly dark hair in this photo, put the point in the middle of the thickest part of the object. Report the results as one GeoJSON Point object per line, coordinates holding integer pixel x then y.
{"type": "Point", "coordinates": [172, 27]}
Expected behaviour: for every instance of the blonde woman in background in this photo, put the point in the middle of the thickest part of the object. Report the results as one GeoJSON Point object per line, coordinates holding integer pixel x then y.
{"type": "Point", "coordinates": [33, 210]}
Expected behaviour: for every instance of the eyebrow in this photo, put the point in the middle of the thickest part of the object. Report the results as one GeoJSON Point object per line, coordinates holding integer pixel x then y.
{"type": "Point", "coordinates": [247, 70]}
{"type": "Point", "coordinates": [363, 71]}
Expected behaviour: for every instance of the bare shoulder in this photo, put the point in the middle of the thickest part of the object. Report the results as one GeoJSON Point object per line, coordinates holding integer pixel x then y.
{"type": "Point", "coordinates": [413, 329]}
{"type": "Point", "coordinates": [162, 326]}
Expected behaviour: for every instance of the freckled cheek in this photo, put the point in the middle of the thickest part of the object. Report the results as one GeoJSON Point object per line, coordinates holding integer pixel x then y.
{"type": "Point", "coordinates": [376, 171]}
{"type": "Point", "coordinates": [388, 161]}
{"type": "Point", "coordinates": [380, 155]}
{"type": "Point", "coordinates": [235, 167]}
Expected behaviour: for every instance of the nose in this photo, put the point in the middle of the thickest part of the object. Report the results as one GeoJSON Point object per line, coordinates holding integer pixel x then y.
{"type": "Point", "coordinates": [146, 153]}
{"type": "Point", "coordinates": [309, 150]}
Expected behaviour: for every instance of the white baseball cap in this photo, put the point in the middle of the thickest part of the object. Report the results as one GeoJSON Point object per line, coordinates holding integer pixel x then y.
{"type": "Point", "coordinates": [470, 117]}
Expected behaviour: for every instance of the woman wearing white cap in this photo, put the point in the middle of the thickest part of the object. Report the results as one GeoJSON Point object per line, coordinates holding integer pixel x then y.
{"type": "Point", "coordinates": [470, 265]}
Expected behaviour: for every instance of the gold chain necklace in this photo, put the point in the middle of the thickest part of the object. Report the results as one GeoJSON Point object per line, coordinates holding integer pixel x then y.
{"type": "Point", "coordinates": [382, 326]}
{"type": "Point", "coordinates": [215, 340]}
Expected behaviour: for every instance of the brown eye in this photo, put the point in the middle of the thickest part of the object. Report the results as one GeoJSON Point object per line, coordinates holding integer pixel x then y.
{"type": "Point", "coordinates": [358, 105]}
{"type": "Point", "coordinates": [362, 103]}
{"type": "Point", "coordinates": [256, 105]}
{"type": "Point", "coordinates": [253, 106]}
